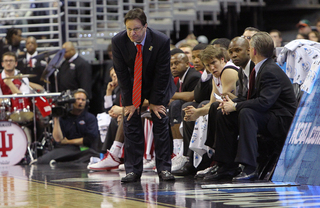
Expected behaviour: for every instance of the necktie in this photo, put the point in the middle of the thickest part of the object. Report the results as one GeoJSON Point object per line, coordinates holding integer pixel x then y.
{"type": "Point", "coordinates": [180, 87]}
{"type": "Point", "coordinates": [137, 78]}
{"type": "Point", "coordinates": [30, 62]}
{"type": "Point", "coordinates": [251, 83]}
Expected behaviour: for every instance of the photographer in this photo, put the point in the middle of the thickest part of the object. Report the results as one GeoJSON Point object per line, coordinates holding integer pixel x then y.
{"type": "Point", "coordinates": [76, 134]}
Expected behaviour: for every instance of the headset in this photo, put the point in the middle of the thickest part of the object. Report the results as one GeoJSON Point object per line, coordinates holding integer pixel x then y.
{"type": "Point", "coordinates": [83, 91]}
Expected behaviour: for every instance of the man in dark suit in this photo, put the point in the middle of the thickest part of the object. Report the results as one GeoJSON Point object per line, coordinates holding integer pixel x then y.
{"type": "Point", "coordinates": [27, 65]}
{"type": "Point", "coordinates": [156, 86]}
{"type": "Point", "coordinates": [74, 72]}
{"type": "Point", "coordinates": [269, 110]}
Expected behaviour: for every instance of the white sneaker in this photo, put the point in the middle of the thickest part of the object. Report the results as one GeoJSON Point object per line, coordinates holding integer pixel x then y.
{"type": "Point", "coordinates": [121, 167]}
{"type": "Point", "coordinates": [109, 162]}
{"type": "Point", "coordinates": [178, 162]}
{"type": "Point", "coordinates": [94, 160]}
{"type": "Point", "coordinates": [149, 165]}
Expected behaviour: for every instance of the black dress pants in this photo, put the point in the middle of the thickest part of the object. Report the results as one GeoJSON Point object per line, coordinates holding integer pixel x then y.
{"type": "Point", "coordinates": [134, 143]}
{"type": "Point", "coordinates": [247, 124]}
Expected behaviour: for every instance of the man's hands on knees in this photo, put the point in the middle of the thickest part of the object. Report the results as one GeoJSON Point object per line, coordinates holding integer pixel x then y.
{"type": "Point", "coordinates": [129, 111]}
{"type": "Point", "coordinates": [157, 109]}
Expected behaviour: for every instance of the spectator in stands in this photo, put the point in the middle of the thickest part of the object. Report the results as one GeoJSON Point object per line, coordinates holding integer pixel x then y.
{"type": "Point", "coordinates": [221, 42]}
{"type": "Point", "coordinates": [276, 37]}
{"type": "Point", "coordinates": [249, 32]}
{"type": "Point", "coordinates": [28, 65]}
{"type": "Point", "coordinates": [187, 49]}
{"type": "Point", "coordinates": [12, 42]}
{"type": "Point", "coordinates": [192, 42]}
{"type": "Point", "coordinates": [314, 36]}
{"type": "Point", "coordinates": [302, 36]}
{"type": "Point", "coordinates": [74, 72]}
{"type": "Point", "coordinates": [188, 79]}
{"type": "Point", "coordinates": [318, 25]}
{"type": "Point", "coordinates": [12, 10]}
{"type": "Point", "coordinates": [304, 27]}
{"type": "Point", "coordinates": [268, 110]}
{"type": "Point", "coordinates": [41, 10]}
{"type": "Point", "coordinates": [191, 36]}
{"type": "Point", "coordinates": [239, 53]}
{"type": "Point", "coordinates": [76, 134]}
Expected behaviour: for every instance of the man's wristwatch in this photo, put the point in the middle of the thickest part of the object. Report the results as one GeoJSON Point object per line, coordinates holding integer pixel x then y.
{"type": "Point", "coordinates": [235, 106]}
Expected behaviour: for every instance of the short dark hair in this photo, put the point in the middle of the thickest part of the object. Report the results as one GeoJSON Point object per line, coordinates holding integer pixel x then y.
{"type": "Point", "coordinates": [175, 51]}
{"type": "Point", "coordinates": [276, 31]}
{"type": "Point", "coordinates": [223, 42]}
{"type": "Point", "coordinates": [9, 53]}
{"type": "Point", "coordinates": [252, 29]}
{"type": "Point", "coordinates": [136, 13]}
{"type": "Point", "coordinates": [10, 32]}
{"type": "Point", "coordinates": [200, 46]}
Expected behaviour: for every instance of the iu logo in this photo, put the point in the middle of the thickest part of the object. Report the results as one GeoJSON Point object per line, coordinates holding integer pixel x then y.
{"type": "Point", "coordinates": [5, 147]}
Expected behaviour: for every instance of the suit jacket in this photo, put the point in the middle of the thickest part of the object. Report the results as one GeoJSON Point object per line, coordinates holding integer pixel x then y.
{"type": "Point", "coordinates": [242, 88]}
{"type": "Point", "coordinates": [157, 82]}
{"type": "Point", "coordinates": [37, 69]}
{"type": "Point", "coordinates": [190, 81]}
{"type": "Point", "coordinates": [273, 92]}
{"type": "Point", "coordinates": [78, 75]}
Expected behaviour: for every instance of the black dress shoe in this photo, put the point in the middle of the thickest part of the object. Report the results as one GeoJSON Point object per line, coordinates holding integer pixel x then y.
{"type": "Point", "coordinates": [187, 169]}
{"type": "Point", "coordinates": [242, 177]}
{"type": "Point", "coordinates": [166, 176]}
{"type": "Point", "coordinates": [209, 171]}
{"type": "Point", "coordinates": [130, 177]}
{"type": "Point", "coordinates": [223, 174]}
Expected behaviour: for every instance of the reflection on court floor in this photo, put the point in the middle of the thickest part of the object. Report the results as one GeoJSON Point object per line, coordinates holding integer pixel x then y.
{"type": "Point", "coordinates": [72, 185]}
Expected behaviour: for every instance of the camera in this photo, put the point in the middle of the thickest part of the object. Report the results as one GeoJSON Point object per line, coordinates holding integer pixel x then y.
{"type": "Point", "coordinates": [63, 104]}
